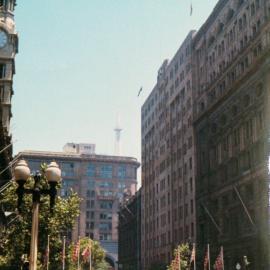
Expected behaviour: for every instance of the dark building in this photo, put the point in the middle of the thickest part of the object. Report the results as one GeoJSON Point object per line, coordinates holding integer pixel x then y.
{"type": "Point", "coordinates": [129, 234]}
{"type": "Point", "coordinates": [231, 86]}
{"type": "Point", "coordinates": [8, 50]}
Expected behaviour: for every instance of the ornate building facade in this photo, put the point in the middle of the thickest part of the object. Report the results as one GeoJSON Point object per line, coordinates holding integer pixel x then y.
{"type": "Point", "coordinates": [101, 181]}
{"type": "Point", "coordinates": [231, 86]}
{"type": "Point", "coordinates": [8, 50]}
{"type": "Point", "coordinates": [168, 194]}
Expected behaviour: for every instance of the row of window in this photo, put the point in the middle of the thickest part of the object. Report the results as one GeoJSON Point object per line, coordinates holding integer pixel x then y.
{"type": "Point", "coordinates": [177, 196]}
{"type": "Point", "coordinates": [103, 171]}
{"type": "Point", "coordinates": [106, 184]}
{"type": "Point", "coordinates": [102, 236]}
{"type": "Point", "coordinates": [179, 235]}
{"type": "Point", "coordinates": [106, 171]}
{"type": "Point", "coordinates": [102, 204]}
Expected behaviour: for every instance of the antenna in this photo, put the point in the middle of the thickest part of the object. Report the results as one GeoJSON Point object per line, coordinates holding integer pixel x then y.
{"type": "Point", "coordinates": [117, 130]}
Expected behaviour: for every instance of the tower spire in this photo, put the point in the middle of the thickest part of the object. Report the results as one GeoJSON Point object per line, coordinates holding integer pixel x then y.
{"type": "Point", "coordinates": [117, 130]}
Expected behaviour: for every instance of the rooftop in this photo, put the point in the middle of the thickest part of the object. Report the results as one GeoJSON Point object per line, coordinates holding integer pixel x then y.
{"type": "Point", "coordinates": [76, 156]}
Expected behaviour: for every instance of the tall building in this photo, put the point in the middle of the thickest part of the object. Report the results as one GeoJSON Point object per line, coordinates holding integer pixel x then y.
{"type": "Point", "coordinates": [101, 181]}
{"type": "Point", "coordinates": [168, 194]}
{"type": "Point", "coordinates": [231, 84]}
{"type": "Point", "coordinates": [129, 233]}
{"type": "Point", "coordinates": [8, 50]}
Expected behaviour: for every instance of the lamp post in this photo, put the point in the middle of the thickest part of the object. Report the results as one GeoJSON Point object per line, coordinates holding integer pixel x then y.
{"type": "Point", "coordinates": [238, 266]}
{"type": "Point", "coordinates": [21, 174]}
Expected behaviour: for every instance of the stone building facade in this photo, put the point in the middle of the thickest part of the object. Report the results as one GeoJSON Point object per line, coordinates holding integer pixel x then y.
{"type": "Point", "coordinates": [8, 50]}
{"type": "Point", "coordinates": [168, 194]}
{"type": "Point", "coordinates": [129, 233]}
{"type": "Point", "coordinates": [101, 181]}
{"type": "Point", "coordinates": [231, 86]}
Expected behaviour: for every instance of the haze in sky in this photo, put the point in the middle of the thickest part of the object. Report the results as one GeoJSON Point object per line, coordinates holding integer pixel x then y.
{"type": "Point", "coordinates": [81, 63]}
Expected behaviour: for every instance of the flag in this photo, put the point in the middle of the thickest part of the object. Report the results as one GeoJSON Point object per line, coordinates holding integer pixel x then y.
{"type": "Point", "coordinates": [219, 263]}
{"type": "Point", "coordinates": [177, 261]}
{"type": "Point", "coordinates": [76, 251]}
{"type": "Point", "coordinates": [87, 252]}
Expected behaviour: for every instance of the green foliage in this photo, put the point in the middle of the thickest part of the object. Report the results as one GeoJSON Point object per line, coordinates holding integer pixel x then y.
{"type": "Point", "coordinates": [185, 253]}
{"type": "Point", "coordinates": [98, 255]}
{"type": "Point", "coordinates": [15, 239]}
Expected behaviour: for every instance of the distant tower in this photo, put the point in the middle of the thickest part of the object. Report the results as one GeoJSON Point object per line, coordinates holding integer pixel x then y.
{"type": "Point", "coordinates": [8, 51]}
{"type": "Point", "coordinates": [117, 130]}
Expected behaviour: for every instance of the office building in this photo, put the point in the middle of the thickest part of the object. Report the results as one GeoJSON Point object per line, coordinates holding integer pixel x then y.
{"type": "Point", "coordinates": [168, 194]}
{"type": "Point", "coordinates": [101, 181]}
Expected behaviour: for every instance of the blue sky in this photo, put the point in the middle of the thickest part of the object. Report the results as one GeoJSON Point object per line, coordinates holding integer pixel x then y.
{"type": "Point", "coordinates": [82, 62]}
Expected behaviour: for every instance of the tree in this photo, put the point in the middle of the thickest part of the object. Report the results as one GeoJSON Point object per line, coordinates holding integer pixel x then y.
{"type": "Point", "coordinates": [97, 255]}
{"type": "Point", "coordinates": [184, 252]}
{"type": "Point", "coordinates": [15, 240]}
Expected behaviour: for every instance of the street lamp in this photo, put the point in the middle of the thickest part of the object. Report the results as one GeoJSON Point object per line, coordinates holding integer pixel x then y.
{"type": "Point", "coordinates": [21, 174]}
{"type": "Point", "coordinates": [238, 266]}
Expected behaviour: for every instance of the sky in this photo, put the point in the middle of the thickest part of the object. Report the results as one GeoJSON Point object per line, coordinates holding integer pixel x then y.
{"type": "Point", "coordinates": [81, 64]}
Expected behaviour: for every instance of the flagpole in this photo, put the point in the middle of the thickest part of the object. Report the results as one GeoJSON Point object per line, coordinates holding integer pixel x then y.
{"type": "Point", "coordinates": [48, 252]}
{"type": "Point", "coordinates": [64, 253]}
{"type": "Point", "coordinates": [222, 257]}
{"type": "Point", "coordinates": [179, 259]}
{"type": "Point", "coordinates": [78, 259]}
{"type": "Point", "coordinates": [90, 257]}
{"type": "Point", "coordinates": [208, 254]}
{"type": "Point", "coordinates": [194, 246]}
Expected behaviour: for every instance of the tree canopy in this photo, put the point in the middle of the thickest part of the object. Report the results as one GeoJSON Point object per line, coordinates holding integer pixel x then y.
{"type": "Point", "coordinates": [15, 238]}
{"type": "Point", "coordinates": [97, 255]}
{"type": "Point", "coordinates": [184, 252]}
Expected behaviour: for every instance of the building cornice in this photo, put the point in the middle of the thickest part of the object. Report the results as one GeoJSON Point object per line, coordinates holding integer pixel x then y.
{"type": "Point", "coordinates": [78, 157]}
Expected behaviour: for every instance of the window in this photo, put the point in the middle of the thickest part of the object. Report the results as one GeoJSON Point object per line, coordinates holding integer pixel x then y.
{"type": "Point", "coordinates": [121, 185]}
{"type": "Point", "coordinates": [91, 170]}
{"type": "Point", "coordinates": [186, 209]}
{"type": "Point", "coordinates": [252, 9]}
{"type": "Point", "coordinates": [67, 168]}
{"type": "Point", "coordinates": [105, 226]}
{"type": "Point", "coordinates": [106, 171]}
{"type": "Point", "coordinates": [122, 171]}
{"type": "Point", "coordinates": [105, 215]}
{"type": "Point", "coordinates": [105, 204]}
{"type": "Point", "coordinates": [191, 184]}
{"type": "Point", "coordinates": [106, 193]}
{"type": "Point", "coordinates": [67, 185]}
{"type": "Point", "coordinates": [105, 236]}
{"type": "Point", "coordinates": [10, 5]}
{"type": "Point", "coordinates": [90, 193]}
{"type": "Point", "coordinates": [91, 183]}
{"type": "Point", "coordinates": [92, 205]}
{"type": "Point", "coordinates": [105, 184]}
